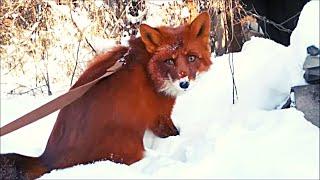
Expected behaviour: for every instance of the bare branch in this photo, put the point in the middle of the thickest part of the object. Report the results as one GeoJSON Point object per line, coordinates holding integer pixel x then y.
{"type": "Point", "coordinates": [75, 66]}
{"type": "Point", "coordinates": [81, 33]}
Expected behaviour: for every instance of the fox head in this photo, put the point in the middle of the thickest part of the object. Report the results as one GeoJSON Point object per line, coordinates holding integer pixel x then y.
{"type": "Point", "coordinates": [179, 55]}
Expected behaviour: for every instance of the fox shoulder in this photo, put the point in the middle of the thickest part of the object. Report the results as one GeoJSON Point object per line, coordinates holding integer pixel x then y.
{"type": "Point", "coordinates": [98, 66]}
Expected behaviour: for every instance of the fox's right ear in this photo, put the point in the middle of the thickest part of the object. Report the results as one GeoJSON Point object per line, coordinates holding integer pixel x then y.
{"type": "Point", "coordinates": [150, 36]}
{"type": "Point", "coordinates": [200, 27]}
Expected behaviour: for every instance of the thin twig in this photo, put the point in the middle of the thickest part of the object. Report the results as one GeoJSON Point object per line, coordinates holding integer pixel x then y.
{"type": "Point", "coordinates": [92, 48]}
{"type": "Point", "coordinates": [75, 66]}
{"type": "Point", "coordinates": [11, 92]}
{"type": "Point", "coordinates": [232, 26]}
{"type": "Point", "coordinates": [81, 33]}
{"type": "Point", "coordinates": [118, 21]}
{"type": "Point", "coordinates": [47, 76]}
{"type": "Point", "coordinates": [234, 86]}
{"type": "Point", "coordinates": [276, 25]}
{"type": "Point", "coordinates": [297, 14]}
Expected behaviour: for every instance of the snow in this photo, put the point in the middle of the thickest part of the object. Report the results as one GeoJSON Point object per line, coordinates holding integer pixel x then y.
{"type": "Point", "coordinates": [157, 7]}
{"type": "Point", "coordinates": [251, 139]}
{"type": "Point", "coordinates": [185, 12]}
{"type": "Point", "coordinates": [153, 18]}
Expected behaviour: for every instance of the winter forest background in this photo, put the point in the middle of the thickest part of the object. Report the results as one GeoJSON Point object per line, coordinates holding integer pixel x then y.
{"type": "Point", "coordinates": [32, 33]}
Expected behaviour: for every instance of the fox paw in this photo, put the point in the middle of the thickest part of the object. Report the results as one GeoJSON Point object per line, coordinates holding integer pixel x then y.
{"type": "Point", "coordinates": [164, 127]}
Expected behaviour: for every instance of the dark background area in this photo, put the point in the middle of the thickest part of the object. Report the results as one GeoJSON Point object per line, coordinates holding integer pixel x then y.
{"type": "Point", "coordinates": [278, 11]}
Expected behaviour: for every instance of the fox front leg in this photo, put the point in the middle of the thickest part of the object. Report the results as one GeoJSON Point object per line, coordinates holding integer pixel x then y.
{"type": "Point", "coordinates": [164, 127]}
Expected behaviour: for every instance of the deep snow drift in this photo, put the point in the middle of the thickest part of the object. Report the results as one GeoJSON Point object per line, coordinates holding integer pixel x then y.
{"type": "Point", "coordinates": [218, 140]}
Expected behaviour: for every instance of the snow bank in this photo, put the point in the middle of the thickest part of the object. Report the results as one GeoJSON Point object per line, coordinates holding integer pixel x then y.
{"type": "Point", "coordinates": [307, 30]}
{"type": "Point", "coordinates": [218, 140]}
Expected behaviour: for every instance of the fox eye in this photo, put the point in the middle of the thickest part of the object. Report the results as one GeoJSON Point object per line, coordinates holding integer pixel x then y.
{"type": "Point", "coordinates": [192, 58]}
{"type": "Point", "coordinates": [169, 62]}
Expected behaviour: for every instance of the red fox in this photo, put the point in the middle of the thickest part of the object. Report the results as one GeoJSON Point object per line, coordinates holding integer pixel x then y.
{"type": "Point", "coordinates": [109, 121]}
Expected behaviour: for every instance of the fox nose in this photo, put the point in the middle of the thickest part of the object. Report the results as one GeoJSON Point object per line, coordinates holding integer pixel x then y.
{"type": "Point", "coordinates": [184, 84]}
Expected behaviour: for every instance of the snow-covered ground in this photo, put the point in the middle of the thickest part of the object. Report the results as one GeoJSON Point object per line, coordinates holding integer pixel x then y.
{"type": "Point", "coordinates": [251, 139]}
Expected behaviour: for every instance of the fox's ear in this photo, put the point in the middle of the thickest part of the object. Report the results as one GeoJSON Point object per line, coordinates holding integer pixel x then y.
{"type": "Point", "coordinates": [200, 27]}
{"type": "Point", "coordinates": [150, 36]}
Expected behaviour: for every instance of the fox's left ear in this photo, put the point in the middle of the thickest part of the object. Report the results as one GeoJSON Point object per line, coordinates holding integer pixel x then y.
{"type": "Point", "coordinates": [200, 27]}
